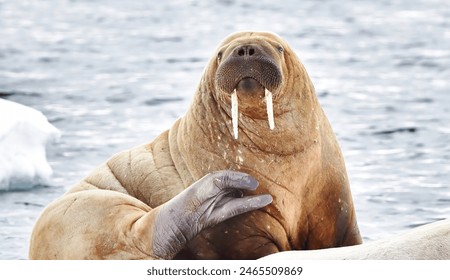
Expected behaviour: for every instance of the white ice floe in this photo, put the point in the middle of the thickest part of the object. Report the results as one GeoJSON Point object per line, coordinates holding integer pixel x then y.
{"type": "Point", "coordinates": [24, 135]}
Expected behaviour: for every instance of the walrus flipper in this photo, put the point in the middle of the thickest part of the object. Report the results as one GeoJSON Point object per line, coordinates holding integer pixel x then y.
{"type": "Point", "coordinates": [216, 197]}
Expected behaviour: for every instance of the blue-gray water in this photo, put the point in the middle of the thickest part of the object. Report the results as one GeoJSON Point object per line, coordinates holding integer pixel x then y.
{"type": "Point", "coordinates": [113, 74]}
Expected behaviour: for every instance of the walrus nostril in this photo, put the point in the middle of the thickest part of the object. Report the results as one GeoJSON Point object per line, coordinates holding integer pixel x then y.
{"type": "Point", "coordinates": [245, 51]}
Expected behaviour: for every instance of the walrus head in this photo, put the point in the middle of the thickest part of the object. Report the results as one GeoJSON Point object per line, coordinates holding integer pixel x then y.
{"type": "Point", "coordinates": [249, 69]}
{"type": "Point", "coordinates": [256, 75]}
{"type": "Point", "coordinates": [255, 85]}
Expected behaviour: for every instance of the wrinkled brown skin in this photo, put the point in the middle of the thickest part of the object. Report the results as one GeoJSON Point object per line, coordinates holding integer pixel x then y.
{"type": "Point", "coordinates": [108, 214]}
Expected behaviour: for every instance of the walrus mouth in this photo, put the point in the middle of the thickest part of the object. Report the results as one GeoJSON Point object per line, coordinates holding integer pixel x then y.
{"type": "Point", "coordinates": [252, 75]}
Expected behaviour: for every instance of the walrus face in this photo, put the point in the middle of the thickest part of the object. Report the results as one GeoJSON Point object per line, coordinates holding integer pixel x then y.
{"type": "Point", "coordinates": [249, 69]}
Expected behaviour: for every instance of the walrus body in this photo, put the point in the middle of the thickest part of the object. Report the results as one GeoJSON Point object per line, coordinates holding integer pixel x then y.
{"type": "Point", "coordinates": [427, 242]}
{"type": "Point", "coordinates": [114, 211]}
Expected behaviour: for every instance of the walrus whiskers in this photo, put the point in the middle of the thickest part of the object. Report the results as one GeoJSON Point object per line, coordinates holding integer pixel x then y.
{"type": "Point", "coordinates": [234, 113]}
{"type": "Point", "coordinates": [269, 106]}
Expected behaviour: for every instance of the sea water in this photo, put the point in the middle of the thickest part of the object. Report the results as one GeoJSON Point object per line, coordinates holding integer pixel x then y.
{"type": "Point", "coordinates": [114, 74]}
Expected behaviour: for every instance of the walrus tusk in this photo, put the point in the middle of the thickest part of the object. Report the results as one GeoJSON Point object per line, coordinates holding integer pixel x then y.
{"type": "Point", "coordinates": [269, 106]}
{"type": "Point", "coordinates": [234, 113]}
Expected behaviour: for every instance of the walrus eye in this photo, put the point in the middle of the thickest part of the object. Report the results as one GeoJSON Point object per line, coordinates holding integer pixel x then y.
{"type": "Point", "coordinates": [280, 49]}
{"type": "Point", "coordinates": [219, 56]}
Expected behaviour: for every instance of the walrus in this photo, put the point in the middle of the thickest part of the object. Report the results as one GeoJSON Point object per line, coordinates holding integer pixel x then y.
{"type": "Point", "coordinates": [253, 168]}
{"type": "Point", "coordinates": [426, 242]}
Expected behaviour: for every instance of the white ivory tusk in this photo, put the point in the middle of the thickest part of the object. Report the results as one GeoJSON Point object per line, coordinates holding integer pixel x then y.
{"type": "Point", "coordinates": [269, 107]}
{"type": "Point", "coordinates": [234, 113]}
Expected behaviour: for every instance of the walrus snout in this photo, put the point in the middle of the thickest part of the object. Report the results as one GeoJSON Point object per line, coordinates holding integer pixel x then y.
{"type": "Point", "coordinates": [251, 70]}
{"type": "Point", "coordinates": [248, 61]}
